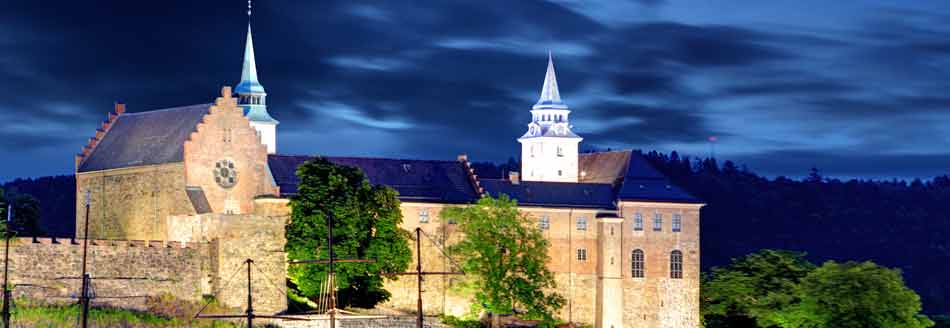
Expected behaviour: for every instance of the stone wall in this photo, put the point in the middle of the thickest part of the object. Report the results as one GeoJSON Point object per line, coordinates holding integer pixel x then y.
{"type": "Point", "coordinates": [131, 203]}
{"type": "Point", "coordinates": [123, 272]}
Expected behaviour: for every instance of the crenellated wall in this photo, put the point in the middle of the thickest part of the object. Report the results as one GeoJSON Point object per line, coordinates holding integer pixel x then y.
{"type": "Point", "coordinates": [123, 271]}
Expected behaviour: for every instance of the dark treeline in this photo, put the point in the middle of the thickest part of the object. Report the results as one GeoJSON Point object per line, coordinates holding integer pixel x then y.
{"type": "Point", "coordinates": [57, 198]}
{"type": "Point", "coordinates": [893, 223]}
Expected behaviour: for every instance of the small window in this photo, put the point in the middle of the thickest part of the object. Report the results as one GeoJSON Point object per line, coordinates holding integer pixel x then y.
{"type": "Point", "coordinates": [559, 173]}
{"type": "Point", "coordinates": [544, 223]}
{"type": "Point", "coordinates": [582, 254]}
{"type": "Point", "coordinates": [677, 222]}
{"type": "Point", "coordinates": [638, 222]}
{"type": "Point", "coordinates": [636, 263]}
{"type": "Point", "coordinates": [532, 153]}
{"type": "Point", "coordinates": [581, 223]}
{"type": "Point", "coordinates": [560, 151]}
{"type": "Point", "coordinates": [676, 265]}
{"type": "Point", "coordinates": [424, 215]}
{"type": "Point", "coordinates": [658, 222]}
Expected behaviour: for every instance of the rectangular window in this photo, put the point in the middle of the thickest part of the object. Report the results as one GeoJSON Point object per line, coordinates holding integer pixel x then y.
{"type": "Point", "coordinates": [677, 222]}
{"type": "Point", "coordinates": [544, 223]}
{"type": "Point", "coordinates": [582, 254]}
{"type": "Point", "coordinates": [638, 222]}
{"type": "Point", "coordinates": [582, 224]}
{"type": "Point", "coordinates": [658, 222]}
{"type": "Point", "coordinates": [424, 215]}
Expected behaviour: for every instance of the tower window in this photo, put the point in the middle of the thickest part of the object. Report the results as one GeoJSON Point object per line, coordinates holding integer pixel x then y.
{"type": "Point", "coordinates": [636, 263]}
{"type": "Point", "coordinates": [582, 224]}
{"type": "Point", "coordinates": [559, 173]}
{"type": "Point", "coordinates": [638, 222]}
{"type": "Point", "coordinates": [560, 151]}
{"type": "Point", "coordinates": [582, 254]}
{"type": "Point", "coordinates": [544, 223]}
{"type": "Point", "coordinates": [676, 264]}
{"type": "Point", "coordinates": [657, 222]}
{"type": "Point", "coordinates": [677, 222]}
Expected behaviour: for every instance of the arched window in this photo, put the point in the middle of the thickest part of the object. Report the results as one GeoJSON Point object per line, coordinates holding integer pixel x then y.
{"type": "Point", "coordinates": [636, 263]}
{"type": "Point", "coordinates": [676, 265]}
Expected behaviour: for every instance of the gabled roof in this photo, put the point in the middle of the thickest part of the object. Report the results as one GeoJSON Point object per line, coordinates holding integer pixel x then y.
{"type": "Point", "coordinates": [635, 177]}
{"type": "Point", "coordinates": [553, 194]}
{"type": "Point", "coordinates": [145, 138]}
{"type": "Point", "coordinates": [415, 180]}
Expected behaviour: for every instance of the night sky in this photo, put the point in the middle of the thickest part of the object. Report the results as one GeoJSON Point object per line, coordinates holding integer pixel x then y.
{"type": "Point", "coordinates": [858, 89]}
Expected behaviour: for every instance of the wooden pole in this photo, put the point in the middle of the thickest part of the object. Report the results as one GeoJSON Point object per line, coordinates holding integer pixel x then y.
{"type": "Point", "coordinates": [250, 301]}
{"type": "Point", "coordinates": [84, 295]}
{"type": "Point", "coordinates": [6, 264]}
{"type": "Point", "coordinates": [420, 318]}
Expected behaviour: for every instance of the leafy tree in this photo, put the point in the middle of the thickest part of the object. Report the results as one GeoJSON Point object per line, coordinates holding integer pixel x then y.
{"type": "Point", "coordinates": [756, 290]}
{"type": "Point", "coordinates": [857, 295]}
{"type": "Point", "coordinates": [26, 213]}
{"type": "Point", "coordinates": [366, 222]}
{"type": "Point", "coordinates": [507, 256]}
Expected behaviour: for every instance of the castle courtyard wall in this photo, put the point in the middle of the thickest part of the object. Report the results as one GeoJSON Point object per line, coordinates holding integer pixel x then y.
{"type": "Point", "coordinates": [124, 272]}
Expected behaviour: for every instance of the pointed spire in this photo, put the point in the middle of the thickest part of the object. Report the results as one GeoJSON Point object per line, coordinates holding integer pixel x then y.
{"type": "Point", "coordinates": [550, 96]}
{"type": "Point", "coordinates": [249, 83]}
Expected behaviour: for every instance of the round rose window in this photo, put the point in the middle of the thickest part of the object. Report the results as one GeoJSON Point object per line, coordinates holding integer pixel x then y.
{"type": "Point", "coordinates": [225, 174]}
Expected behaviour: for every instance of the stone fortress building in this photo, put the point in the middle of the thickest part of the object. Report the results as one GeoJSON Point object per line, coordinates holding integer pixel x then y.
{"type": "Point", "coordinates": [181, 196]}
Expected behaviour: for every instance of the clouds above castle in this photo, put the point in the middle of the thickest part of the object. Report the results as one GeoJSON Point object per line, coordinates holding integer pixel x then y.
{"type": "Point", "coordinates": [855, 88]}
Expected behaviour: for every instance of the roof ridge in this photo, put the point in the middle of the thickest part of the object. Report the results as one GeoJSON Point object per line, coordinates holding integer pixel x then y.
{"type": "Point", "coordinates": [368, 157]}
{"type": "Point", "coordinates": [169, 109]}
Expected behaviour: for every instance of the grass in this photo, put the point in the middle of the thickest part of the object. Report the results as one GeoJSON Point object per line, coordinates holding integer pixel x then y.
{"type": "Point", "coordinates": [30, 313]}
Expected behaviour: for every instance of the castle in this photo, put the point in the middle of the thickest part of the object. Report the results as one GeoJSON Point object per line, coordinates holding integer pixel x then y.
{"type": "Point", "coordinates": [181, 196]}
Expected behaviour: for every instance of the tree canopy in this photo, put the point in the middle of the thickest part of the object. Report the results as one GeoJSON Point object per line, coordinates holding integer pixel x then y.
{"type": "Point", "coordinates": [774, 288]}
{"type": "Point", "coordinates": [366, 222]}
{"type": "Point", "coordinates": [506, 256]}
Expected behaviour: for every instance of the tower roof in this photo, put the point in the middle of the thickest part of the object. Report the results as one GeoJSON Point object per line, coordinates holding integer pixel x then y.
{"type": "Point", "coordinates": [550, 96]}
{"type": "Point", "coordinates": [249, 83]}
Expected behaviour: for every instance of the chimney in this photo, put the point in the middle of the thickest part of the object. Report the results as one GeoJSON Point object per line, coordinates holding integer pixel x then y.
{"type": "Point", "coordinates": [463, 158]}
{"type": "Point", "coordinates": [514, 177]}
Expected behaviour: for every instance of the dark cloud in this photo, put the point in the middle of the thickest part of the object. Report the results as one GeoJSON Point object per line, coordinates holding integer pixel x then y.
{"type": "Point", "coordinates": [431, 80]}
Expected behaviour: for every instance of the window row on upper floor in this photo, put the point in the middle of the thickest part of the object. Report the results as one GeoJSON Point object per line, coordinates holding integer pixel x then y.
{"type": "Point", "coordinates": [638, 262]}
{"type": "Point", "coordinates": [544, 222]}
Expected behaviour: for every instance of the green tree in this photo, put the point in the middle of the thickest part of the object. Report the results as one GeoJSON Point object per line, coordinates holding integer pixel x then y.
{"type": "Point", "coordinates": [366, 222]}
{"type": "Point", "coordinates": [506, 256]}
{"type": "Point", "coordinates": [26, 213]}
{"type": "Point", "coordinates": [857, 295]}
{"type": "Point", "coordinates": [756, 290]}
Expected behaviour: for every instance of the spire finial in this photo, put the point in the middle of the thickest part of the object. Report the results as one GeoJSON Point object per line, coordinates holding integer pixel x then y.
{"type": "Point", "coordinates": [249, 9]}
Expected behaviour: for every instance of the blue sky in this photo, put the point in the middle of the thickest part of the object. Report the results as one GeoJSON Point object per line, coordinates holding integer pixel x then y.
{"type": "Point", "coordinates": [857, 88]}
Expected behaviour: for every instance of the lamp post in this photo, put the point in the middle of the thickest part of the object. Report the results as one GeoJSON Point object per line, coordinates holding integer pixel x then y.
{"type": "Point", "coordinates": [84, 293]}
{"type": "Point", "coordinates": [6, 264]}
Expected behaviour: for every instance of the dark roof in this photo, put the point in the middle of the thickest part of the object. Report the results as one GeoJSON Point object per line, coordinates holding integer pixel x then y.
{"type": "Point", "coordinates": [553, 194]}
{"type": "Point", "coordinates": [145, 138]}
{"type": "Point", "coordinates": [415, 180]}
{"type": "Point", "coordinates": [602, 167]}
{"type": "Point", "coordinates": [636, 178]}
{"type": "Point", "coordinates": [644, 183]}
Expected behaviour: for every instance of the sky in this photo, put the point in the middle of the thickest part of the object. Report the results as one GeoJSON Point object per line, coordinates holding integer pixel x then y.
{"type": "Point", "coordinates": [854, 88]}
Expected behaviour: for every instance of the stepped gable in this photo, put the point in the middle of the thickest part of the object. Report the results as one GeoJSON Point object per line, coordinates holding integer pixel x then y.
{"type": "Point", "coordinates": [554, 194]}
{"type": "Point", "coordinates": [145, 138]}
{"type": "Point", "coordinates": [415, 180]}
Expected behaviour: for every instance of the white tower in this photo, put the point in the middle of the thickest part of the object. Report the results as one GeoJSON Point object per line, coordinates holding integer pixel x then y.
{"type": "Point", "coordinates": [251, 96]}
{"type": "Point", "coordinates": [549, 148]}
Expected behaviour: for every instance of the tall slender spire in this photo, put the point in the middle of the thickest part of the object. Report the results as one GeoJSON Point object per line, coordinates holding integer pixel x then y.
{"type": "Point", "coordinates": [550, 96]}
{"type": "Point", "coordinates": [251, 95]}
{"type": "Point", "coordinates": [249, 83]}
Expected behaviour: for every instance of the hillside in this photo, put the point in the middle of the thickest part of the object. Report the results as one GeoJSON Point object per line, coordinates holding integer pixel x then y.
{"type": "Point", "coordinates": [893, 223]}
